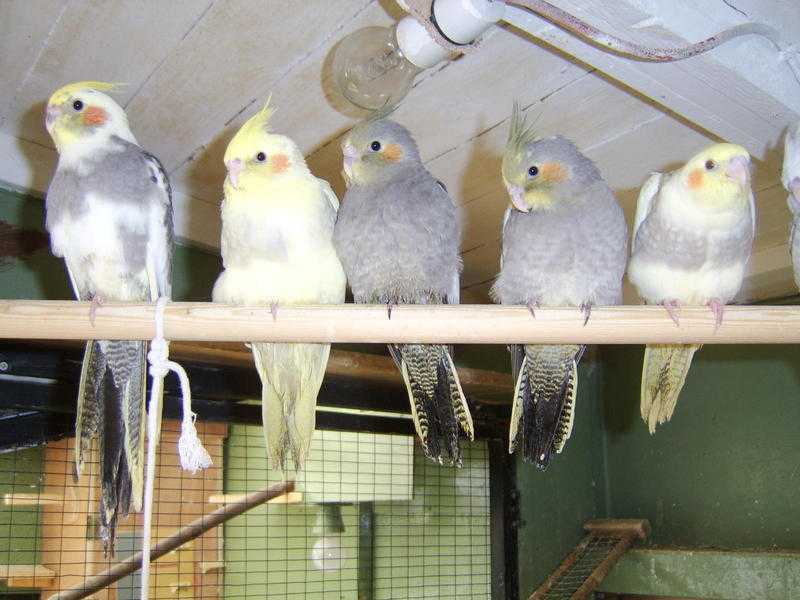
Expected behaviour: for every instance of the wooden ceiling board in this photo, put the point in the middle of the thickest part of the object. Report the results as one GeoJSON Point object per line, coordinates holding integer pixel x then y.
{"type": "Point", "coordinates": [228, 63]}
{"type": "Point", "coordinates": [99, 40]}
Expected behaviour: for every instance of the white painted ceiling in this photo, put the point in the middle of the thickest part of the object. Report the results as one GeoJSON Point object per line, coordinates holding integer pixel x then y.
{"type": "Point", "coordinates": [195, 70]}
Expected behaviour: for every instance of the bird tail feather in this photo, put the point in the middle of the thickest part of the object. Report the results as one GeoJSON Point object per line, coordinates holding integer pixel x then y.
{"type": "Point", "coordinates": [663, 375]}
{"type": "Point", "coordinates": [291, 376]}
{"type": "Point", "coordinates": [111, 406]}
{"type": "Point", "coordinates": [438, 405]}
{"type": "Point", "coordinates": [543, 411]}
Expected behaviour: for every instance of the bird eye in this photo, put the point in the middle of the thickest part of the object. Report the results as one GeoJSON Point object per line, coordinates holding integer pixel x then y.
{"type": "Point", "coordinates": [376, 145]}
{"type": "Point", "coordinates": [710, 164]}
{"type": "Point", "coordinates": [261, 157]}
{"type": "Point", "coordinates": [533, 171]}
{"type": "Point", "coordinates": [77, 105]}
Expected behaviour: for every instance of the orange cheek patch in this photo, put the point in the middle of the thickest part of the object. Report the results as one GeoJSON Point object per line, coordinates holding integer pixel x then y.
{"type": "Point", "coordinates": [696, 179]}
{"type": "Point", "coordinates": [94, 115]}
{"type": "Point", "coordinates": [553, 172]}
{"type": "Point", "coordinates": [280, 163]}
{"type": "Point", "coordinates": [393, 152]}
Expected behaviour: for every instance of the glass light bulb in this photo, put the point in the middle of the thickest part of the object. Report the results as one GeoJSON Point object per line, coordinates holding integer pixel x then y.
{"type": "Point", "coordinates": [370, 69]}
{"type": "Point", "coordinates": [328, 554]}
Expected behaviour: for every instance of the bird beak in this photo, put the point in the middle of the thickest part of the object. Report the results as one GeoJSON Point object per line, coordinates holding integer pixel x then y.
{"type": "Point", "coordinates": [51, 114]}
{"type": "Point", "coordinates": [517, 198]}
{"type": "Point", "coordinates": [350, 157]}
{"type": "Point", "coordinates": [739, 169]}
{"type": "Point", "coordinates": [234, 167]}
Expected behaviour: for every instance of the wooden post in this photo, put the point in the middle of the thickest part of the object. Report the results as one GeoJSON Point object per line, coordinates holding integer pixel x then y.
{"type": "Point", "coordinates": [193, 530]}
{"type": "Point", "coordinates": [349, 323]}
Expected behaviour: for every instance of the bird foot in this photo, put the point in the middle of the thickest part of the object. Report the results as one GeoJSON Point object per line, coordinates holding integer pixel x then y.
{"type": "Point", "coordinates": [717, 307]}
{"type": "Point", "coordinates": [673, 308]}
{"type": "Point", "coordinates": [586, 310]}
{"type": "Point", "coordinates": [97, 302]}
{"type": "Point", "coordinates": [389, 306]}
{"type": "Point", "coordinates": [532, 306]}
{"type": "Point", "coordinates": [273, 309]}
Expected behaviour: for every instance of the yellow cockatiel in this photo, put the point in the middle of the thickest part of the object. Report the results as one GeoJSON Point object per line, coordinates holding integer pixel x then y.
{"type": "Point", "coordinates": [277, 223]}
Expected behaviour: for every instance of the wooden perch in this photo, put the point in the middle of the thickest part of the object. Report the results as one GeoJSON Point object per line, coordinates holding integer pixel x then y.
{"type": "Point", "coordinates": [348, 323]}
{"type": "Point", "coordinates": [193, 530]}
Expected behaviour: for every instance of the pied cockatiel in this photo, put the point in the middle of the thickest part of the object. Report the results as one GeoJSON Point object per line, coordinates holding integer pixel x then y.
{"type": "Point", "coordinates": [692, 238]}
{"type": "Point", "coordinates": [109, 216]}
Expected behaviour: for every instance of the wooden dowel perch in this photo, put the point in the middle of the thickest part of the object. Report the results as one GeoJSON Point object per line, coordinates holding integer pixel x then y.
{"type": "Point", "coordinates": [193, 530]}
{"type": "Point", "coordinates": [466, 324]}
{"type": "Point", "coordinates": [349, 323]}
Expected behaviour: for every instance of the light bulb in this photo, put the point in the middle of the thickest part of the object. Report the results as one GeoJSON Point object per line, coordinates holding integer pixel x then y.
{"type": "Point", "coordinates": [370, 70]}
{"type": "Point", "coordinates": [328, 554]}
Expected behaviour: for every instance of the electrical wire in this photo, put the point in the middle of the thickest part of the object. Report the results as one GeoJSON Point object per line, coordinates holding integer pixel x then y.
{"type": "Point", "coordinates": [580, 28]}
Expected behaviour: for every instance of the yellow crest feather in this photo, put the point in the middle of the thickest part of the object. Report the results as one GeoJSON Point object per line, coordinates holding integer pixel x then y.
{"type": "Point", "coordinates": [520, 133]}
{"type": "Point", "coordinates": [66, 91]}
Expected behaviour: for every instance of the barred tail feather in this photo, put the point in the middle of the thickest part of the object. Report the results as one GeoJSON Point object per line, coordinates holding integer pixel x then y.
{"type": "Point", "coordinates": [543, 409]}
{"type": "Point", "coordinates": [111, 400]}
{"type": "Point", "coordinates": [438, 405]}
{"type": "Point", "coordinates": [663, 375]}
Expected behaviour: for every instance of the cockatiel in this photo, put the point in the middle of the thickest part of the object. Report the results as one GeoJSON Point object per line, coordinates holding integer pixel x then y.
{"type": "Point", "coordinates": [692, 238]}
{"type": "Point", "coordinates": [791, 181]}
{"type": "Point", "coordinates": [277, 225]}
{"type": "Point", "coordinates": [398, 237]}
{"type": "Point", "coordinates": [564, 244]}
{"type": "Point", "coordinates": [109, 215]}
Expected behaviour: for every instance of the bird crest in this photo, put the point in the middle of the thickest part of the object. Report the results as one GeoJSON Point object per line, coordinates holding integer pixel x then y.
{"type": "Point", "coordinates": [259, 122]}
{"type": "Point", "coordinates": [521, 133]}
{"type": "Point", "coordinates": [63, 93]}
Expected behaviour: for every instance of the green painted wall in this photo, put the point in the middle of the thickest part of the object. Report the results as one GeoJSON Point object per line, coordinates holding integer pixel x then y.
{"type": "Point", "coordinates": [20, 544]}
{"type": "Point", "coordinates": [42, 276]}
{"type": "Point", "coordinates": [724, 471]}
{"type": "Point", "coordinates": [554, 504]}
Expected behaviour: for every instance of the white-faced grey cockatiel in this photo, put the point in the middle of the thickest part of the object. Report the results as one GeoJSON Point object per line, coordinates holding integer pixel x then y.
{"type": "Point", "coordinates": [564, 244]}
{"type": "Point", "coordinates": [791, 181]}
{"type": "Point", "coordinates": [109, 215]}
{"type": "Point", "coordinates": [692, 238]}
{"type": "Point", "coordinates": [398, 236]}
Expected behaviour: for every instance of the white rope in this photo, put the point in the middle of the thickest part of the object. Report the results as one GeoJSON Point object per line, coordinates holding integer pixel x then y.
{"type": "Point", "coordinates": [192, 453]}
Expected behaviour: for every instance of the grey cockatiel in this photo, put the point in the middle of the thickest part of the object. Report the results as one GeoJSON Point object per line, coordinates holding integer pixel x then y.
{"type": "Point", "coordinates": [564, 244]}
{"type": "Point", "coordinates": [791, 181]}
{"type": "Point", "coordinates": [692, 238]}
{"type": "Point", "coordinates": [109, 215]}
{"type": "Point", "coordinates": [398, 237]}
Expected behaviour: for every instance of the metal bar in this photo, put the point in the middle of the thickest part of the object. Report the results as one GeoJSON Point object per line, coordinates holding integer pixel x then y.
{"type": "Point", "coordinates": [503, 521]}
{"type": "Point", "coordinates": [350, 323]}
{"type": "Point", "coordinates": [366, 550]}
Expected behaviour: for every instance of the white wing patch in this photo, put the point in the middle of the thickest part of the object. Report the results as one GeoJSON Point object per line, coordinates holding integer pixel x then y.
{"type": "Point", "coordinates": [644, 204]}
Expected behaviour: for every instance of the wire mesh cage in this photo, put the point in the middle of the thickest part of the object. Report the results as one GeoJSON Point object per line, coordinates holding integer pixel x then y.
{"type": "Point", "coordinates": [370, 517]}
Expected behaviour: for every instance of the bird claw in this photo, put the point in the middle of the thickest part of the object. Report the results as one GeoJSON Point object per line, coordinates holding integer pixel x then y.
{"type": "Point", "coordinates": [586, 309]}
{"type": "Point", "coordinates": [389, 306]}
{"type": "Point", "coordinates": [717, 308]}
{"type": "Point", "coordinates": [531, 308]}
{"type": "Point", "coordinates": [97, 302]}
{"type": "Point", "coordinates": [273, 309]}
{"type": "Point", "coordinates": [672, 307]}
